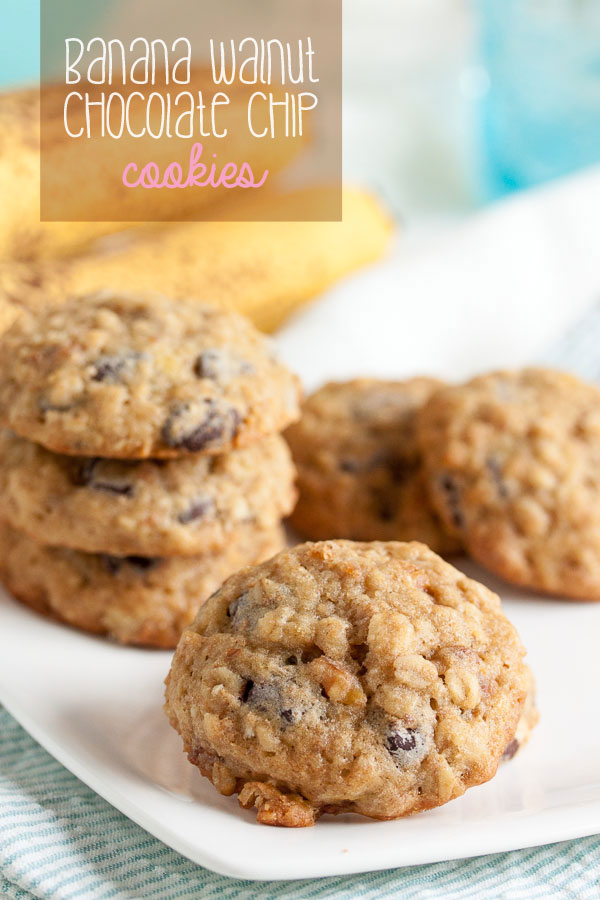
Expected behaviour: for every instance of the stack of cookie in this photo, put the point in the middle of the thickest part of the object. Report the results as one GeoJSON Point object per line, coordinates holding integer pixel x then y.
{"type": "Point", "coordinates": [140, 463]}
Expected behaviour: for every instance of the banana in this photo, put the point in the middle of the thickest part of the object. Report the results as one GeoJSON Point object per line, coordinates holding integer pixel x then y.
{"type": "Point", "coordinates": [84, 180]}
{"type": "Point", "coordinates": [264, 269]}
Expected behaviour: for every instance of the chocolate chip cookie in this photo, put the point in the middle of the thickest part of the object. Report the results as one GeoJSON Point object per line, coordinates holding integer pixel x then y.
{"type": "Point", "coordinates": [346, 677]}
{"type": "Point", "coordinates": [135, 599]}
{"type": "Point", "coordinates": [165, 507]}
{"type": "Point", "coordinates": [137, 377]}
{"type": "Point", "coordinates": [529, 719]}
{"type": "Point", "coordinates": [359, 466]}
{"type": "Point", "coordinates": [513, 468]}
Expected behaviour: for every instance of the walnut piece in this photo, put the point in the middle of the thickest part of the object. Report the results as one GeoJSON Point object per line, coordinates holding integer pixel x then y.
{"type": "Point", "coordinates": [275, 808]}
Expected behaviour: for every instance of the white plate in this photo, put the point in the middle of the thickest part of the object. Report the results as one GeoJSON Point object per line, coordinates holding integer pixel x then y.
{"type": "Point", "coordinates": [97, 708]}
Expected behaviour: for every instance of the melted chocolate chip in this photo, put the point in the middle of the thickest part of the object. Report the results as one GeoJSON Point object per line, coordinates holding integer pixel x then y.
{"type": "Point", "coordinates": [123, 490]}
{"type": "Point", "coordinates": [108, 368]}
{"type": "Point", "coordinates": [405, 745]}
{"type": "Point", "coordinates": [510, 749]}
{"type": "Point", "coordinates": [114, 564]}
{"type": "Point", "coordinates": [350, 465]}
{"type": "Point", "coordinates": [198, 510]}
{"type": "Point", "coordinates": [401, 469]}
{"type": "Point", "coordinates": [266, 698]}
{"type": "Point", "coordinates": [404, 740]}
{"type": "Point", "coordinates": [196, 430]}
{"type": "Point", "coordinates": [221, 365]}
{"type": "Point", "coordinates": [82, 471]}
{"type": "Point", "coordinates": [451, 490]}
{"type": "Point", "coordinates": [141, 562]}
{"type": "Point", "coordinates": [88, 473]}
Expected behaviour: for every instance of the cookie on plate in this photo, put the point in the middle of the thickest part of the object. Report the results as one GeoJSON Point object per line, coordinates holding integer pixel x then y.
{"type": "Point", "coordinates": [183, 507]}
{"type": "Point", "coordinates": [513, 469]}
{"type": "Point", "coordinates": [134, 599]}
{"type": "Point", "coordinates": [347, 677]}
{"type": "Point", "coordinates": [137, 377]}
{"type": "Point", "coordinates": [529, 719]}
{"type": "Point", "coordinates": [359, 466]}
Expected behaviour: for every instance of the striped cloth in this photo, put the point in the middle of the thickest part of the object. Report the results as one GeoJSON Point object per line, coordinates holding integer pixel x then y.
{"type": "Point", "coordinates": [60, 841]}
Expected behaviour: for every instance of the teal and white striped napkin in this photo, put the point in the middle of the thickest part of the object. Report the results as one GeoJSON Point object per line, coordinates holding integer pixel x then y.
{"type": "Point", "coordinates": [60, 841]}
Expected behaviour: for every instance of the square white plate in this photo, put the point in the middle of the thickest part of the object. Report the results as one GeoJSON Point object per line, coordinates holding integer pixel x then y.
{"type": "Point", "coordinates": [96, 707]}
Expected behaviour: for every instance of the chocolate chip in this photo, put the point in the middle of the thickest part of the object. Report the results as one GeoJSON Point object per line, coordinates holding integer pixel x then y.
{"type": "Point", "coordinates": [405, 745]}
{"type": "Point", "coordinates": [108, 368]}
{"type": "Point", "coordinates": [141, 562]}
{"type": "Point", "coordinates": [350, 465]}
{"type": "Point", "coordinates": [401, 469]}
{"type": "Point", "coordinates": [82, 471]}
{"type": "Point", "coordinates": [262, 695]}
{"type": "Point", "coordinates": [451, 490]}
{"type": "Point", "coordinates": [89, 473]}
{"type": "Point", "coordinates": [266, 697]}
{"type": "Point", "coordinates": [221, 365]}
{"type": "Point", "coordinates": [123, 490]}
{"type": "Point", "coordinates": [404, 740]}
{"type": "Point", "coordinates": [195, 429]}
{"type": "Point", "coordinates": [198, 510]}
{"type": "Point", "coordinates": [510, 749]}
{"type": "Point", "coordinates": [114, 564]}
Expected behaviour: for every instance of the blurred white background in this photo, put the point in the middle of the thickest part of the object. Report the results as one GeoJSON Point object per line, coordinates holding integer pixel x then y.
{"type": "Point", "coordinates": [411, 86]}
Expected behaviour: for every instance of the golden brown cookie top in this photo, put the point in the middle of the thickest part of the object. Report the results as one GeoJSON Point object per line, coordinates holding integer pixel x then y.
{"type": "Point", "coordinates": [372, 678]}
{"type": "Point", "coordinates": [136, 377]}
{"type": "Point", "coordinates": [513, 463]}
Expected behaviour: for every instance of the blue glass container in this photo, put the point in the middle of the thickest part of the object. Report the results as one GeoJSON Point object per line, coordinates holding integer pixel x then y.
{"type": "Point", "coordinates": [541, 113]}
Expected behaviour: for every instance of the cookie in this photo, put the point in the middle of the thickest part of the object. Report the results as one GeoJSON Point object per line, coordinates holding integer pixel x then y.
{"type": "Point", "coordinates": [343, 677]}
{"type": "Point", "coordinates": [134, 600]}
{"type": "Point", "coordinates": [137, 377]}
{"type": "Point", "coordinates": [359, 466]}
{"type": "Point", "coordinates": [147, 507]}
{"type": "Point", "coordinates": [529, 719]}
{"type": "Point", "coordinates": [513, 469]}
